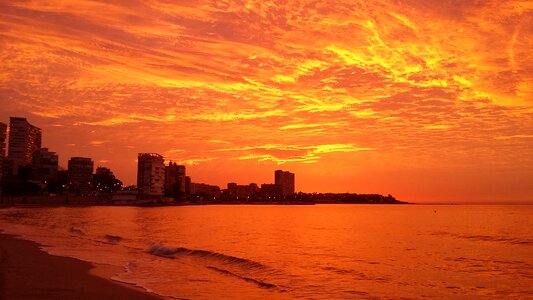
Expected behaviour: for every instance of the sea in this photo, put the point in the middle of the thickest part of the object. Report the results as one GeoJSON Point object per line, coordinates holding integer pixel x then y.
{"type": "Point", "coordinates": [297, 252]}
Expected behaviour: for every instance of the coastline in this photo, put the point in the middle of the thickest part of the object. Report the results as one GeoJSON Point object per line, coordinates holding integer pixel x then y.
{"type": "Point", "coordinates": [27, 272]}
{"type": "Point", "coordinates": [295, 199]}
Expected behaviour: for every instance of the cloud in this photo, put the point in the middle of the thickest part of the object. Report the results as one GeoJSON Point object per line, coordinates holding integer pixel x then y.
{"type": "Point", "coordinates": [287, 82]}
{"type": "Point", "coordinates": [517, 136]}
{"type": "Point", "coordinates": [280, 153]}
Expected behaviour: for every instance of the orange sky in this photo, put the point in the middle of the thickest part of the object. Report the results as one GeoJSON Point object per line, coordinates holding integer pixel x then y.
{"type": "Point", "coordinates": [429, 100]}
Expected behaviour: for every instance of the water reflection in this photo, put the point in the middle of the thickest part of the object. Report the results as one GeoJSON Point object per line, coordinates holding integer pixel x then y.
{"type": "Point", "coordinates": [320, 252]}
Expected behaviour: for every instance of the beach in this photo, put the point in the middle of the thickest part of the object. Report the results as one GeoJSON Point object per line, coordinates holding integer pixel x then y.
{"type": "Point", "coordinates": [26, 272]}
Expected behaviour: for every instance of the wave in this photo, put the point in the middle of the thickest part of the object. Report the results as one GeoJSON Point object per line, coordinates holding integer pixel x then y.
{"type": "Point", "coordinates": [114, 239]}
{"type": "Point", "coordinates": [162, 250]}
{"type": "Point", "coordinates": [509, 240]}
{"type": "Point", "coordinates": [259, 283]}
{"type": "Point", "coordinates": [488, 238]}
{"type": "Point", "coordinates": [76, 230]}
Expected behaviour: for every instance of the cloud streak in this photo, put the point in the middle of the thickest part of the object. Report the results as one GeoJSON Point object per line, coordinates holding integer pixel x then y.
{"type": "Point", "coordinates": [319, 81]}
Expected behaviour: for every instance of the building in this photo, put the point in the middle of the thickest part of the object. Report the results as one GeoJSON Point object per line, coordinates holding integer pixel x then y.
{"type": "Point", "coordinates": [187, 185]}
{"type": "Point", "coordinates": [24, 139]}
{"type": "Point", "coordinates": [3, 136]}
{"type": "Point", "coordinates": [175, 180]}
{"type": "Point", "coordinates": [286, 180]}
{"type": "Point", "coordinates": [242, 192]}
{"type": "Point", "coordinates": [271, 191]}
{"type": "Point", "coordinates": [202, 189]}
{"type": "Point", "coordinates": [150, 176]}
{"type": "Point", "coordinates": [80, 175]}
{"type": "Point", "coordinates": [44, 167]}
{"type": "Point", "coordinates": [6, 168]}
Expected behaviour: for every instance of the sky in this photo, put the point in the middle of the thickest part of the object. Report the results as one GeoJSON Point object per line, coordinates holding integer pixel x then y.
{"type": "Point", "coordinates": [427, 100]}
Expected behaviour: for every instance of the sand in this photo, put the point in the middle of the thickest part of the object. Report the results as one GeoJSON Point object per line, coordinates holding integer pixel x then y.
{"type": "Point", "coordinates": [26, 272]}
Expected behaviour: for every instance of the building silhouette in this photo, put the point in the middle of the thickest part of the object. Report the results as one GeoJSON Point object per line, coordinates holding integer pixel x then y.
{"type": "Point", "coordinates": [242, 192]}
{"type": "Point", "coordinates": [44, 167]}
{"type": "Point", "coordinates": [3, 136]}
{"type": "Point", "coordinates": [202, 189]}
{"type": "Point", "coordinates": [150, 175]}
{"type": "Point", "coordinates": [80, 175]}
{"type": "Point", "coordinates": [187, 185]}
{"type": "Point", "coordinates": [24, 139]}
{"type": "Point", "coordinates": [271, 191]}
{"type": "Point", "coordinates": [285, 179]}
{"type": "Point", "coordinates": [175, 181]}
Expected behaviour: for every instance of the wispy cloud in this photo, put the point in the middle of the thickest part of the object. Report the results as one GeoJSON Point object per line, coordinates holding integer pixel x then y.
{"type": "Point", "coordinates": [516, 136]}
{"type": "Point", "coordinates": [274, 82]}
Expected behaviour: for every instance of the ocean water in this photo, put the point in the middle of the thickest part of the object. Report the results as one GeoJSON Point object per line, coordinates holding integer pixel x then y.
{"type": "Point", "coordinates": [306, 252]}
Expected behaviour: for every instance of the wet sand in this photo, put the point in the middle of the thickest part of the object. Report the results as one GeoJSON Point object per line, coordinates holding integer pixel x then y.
{"type": "Point", "coordinates": [26, 272]}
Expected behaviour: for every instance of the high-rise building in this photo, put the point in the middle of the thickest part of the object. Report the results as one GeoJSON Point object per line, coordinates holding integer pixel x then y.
{"type": "Point", "coordinates": [175, 181]}
{"type": "Point", "coordinates": [3, 136]}
{"type": "Point", "coordinates": [150, 175]}
{"type": "Point", "coordinates": [187, 185]}
{"type": "Point", "coordinates": [24, 139]}
{"type": "Point", "coordinates": [286, 180]}
{"type": "Point", "coordinates": [80, 175]}
{"type": "Point", "coordinates": [44, 166]}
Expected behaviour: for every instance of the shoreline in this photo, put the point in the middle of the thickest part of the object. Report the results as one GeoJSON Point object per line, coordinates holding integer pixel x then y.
{"type": "Point", "coordinates": [27, 272]}
{"type": "Point", "coordinates": [109, 200]}
{"type": "Point", "coordinates": [30, 205]}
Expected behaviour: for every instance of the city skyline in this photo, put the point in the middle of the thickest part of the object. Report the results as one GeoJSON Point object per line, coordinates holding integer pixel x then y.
{"type": "Point", "coordinates": [27, 161]}
{"type": "Point", "coordinates": [426, 100]}
{"type": "Point", "coordinates": [45, 165]}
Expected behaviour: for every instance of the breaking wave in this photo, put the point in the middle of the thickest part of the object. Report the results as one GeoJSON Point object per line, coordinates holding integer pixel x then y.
{"type": "Point", "coordinates": [113, 238]}
{"type": "Point", "coordinates": [259, 283]}
{"type": "Point", "coordinates": [162, 250]}
{"type": "Point", "coordinates": [240, 268]}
